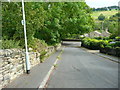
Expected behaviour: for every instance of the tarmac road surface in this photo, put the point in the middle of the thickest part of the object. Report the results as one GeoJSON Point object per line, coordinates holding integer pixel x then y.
{"type": "Point", "coordinates": [78, 68]}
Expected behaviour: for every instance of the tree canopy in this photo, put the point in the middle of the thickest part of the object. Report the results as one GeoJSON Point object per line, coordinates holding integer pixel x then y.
{"type": "Point", "coordinates": [49, 21]}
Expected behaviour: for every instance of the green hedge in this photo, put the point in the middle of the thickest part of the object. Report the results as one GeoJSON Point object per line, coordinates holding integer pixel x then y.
{"type": "Point", "coordinates": [97, 44]}
{"type": "Point", "coordinates": [94, 43]}
{"type": "Point", "coordinates": [103, 45]}
{"type": "Point", "coordinates": [114, 45]}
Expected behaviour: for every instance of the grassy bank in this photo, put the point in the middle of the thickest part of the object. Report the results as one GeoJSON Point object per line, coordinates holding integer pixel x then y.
{"type": "Point", "coordinates": [107, 14]}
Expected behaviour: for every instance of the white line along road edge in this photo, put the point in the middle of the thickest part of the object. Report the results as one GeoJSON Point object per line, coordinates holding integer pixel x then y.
{"type": "Point", "coordinates": [42, 85]}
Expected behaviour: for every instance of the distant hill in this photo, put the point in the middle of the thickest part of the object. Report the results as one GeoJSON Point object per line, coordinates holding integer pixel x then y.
{"type": "Point", "coordinates": [107, 8]}
{"type": "Point", "coordinates": [107, 14]}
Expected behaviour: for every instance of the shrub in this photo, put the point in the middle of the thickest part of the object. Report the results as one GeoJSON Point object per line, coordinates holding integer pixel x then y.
{"type": "Point", "coordinates": [37, 44]}
{"type": "Point", "coordinates": [106, 38]}
{"type": "Point", "coordinates": [101, 17]}
{"type": "Point", "coordinates": [102, 43]}
{"type": "Point", "coordinates": [7, 44]}
{"type": "Point", "coordinates": [94, 43]}
{"type": "Point", "coordinates": [117, 38]}
{"type": "Point", "coordinates": [117, 44]}
{"type": "Point", "coordinates": [42, 56]}
{"type": "Point", "coordinates": [114, 45]}
{"type": "Point", "coordinates": [112, 36]}
{"type": "Point", "coordinates": [108, 46]}
{"type": "Point", "coordinates": [98, 38]}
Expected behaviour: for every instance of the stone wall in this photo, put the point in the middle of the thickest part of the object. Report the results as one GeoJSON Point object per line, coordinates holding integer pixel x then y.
{"type": "Point", "coordinates": [12, 63]}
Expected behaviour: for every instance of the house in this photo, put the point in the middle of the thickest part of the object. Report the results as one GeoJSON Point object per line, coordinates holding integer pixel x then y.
{"type": "Point", "coordinates": [94, 34]}
{"type": "Point", "coordinates": [105, 33]}
{"type": "Point", "coordinates": [98, 34]}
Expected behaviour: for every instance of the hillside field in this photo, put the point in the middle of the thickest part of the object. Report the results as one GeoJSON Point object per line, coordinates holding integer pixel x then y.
{"type": "Point", "coordinates": [107, 14]}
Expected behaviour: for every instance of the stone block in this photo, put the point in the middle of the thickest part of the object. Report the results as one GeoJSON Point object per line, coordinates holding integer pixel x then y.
{"type": "Point", "coordinates": [6, 77]}
{"type": "Point", "coordinates": [6, 66]}
{"type": "Point", "coordinates": [5, 63]}
{"type": "Point", "coordinates": [1, 71]}
{"type": "Point", "coordinates": [21, 62]}
{"type": "Point", "coordinates": [5, 72]}
{"type": "Point", "coordinates": [13, 70]}
{"type": "Point", "coordinates": [1, 79]}
{"type": "Point", "coordinates": [19, 67]}
{"type": "Point", "coordinates": [11, 66]}
{"type": "Point", "coordinates": [17, 56]}
{"type": "Point", "coordinates": [5, 83]}
{"type": "Point", "coordinates": [12, 74]}
{"type": "Point", "coordinates": [13, 77]}
{"type": "Point", "coordinates": [1, 86]}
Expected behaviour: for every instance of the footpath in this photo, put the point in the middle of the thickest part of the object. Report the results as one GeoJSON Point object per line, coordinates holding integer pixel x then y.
{"type": "Point", "coordinates": [36, 76]}
{"type": "Point", "coordinates": [109, 57]}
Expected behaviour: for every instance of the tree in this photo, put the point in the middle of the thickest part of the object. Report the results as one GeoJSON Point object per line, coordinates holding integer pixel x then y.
{"type": "Point", "coordinates": [101, 17]}
{"type": "Point", "coordinates": [50, 22]}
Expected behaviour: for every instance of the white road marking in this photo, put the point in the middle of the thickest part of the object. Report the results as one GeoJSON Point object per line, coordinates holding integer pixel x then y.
{"type": "Point", "coordinates": [42, 85]}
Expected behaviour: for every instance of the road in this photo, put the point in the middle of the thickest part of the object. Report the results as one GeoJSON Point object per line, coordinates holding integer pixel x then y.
{"type": "Point", "coordinates": [78, 68]}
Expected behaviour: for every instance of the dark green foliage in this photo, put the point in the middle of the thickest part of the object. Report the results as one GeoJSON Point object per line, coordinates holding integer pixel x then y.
{"type": "Point", "coordinates": [112, 49]}
{"type": "Point", "coordinates": [42, 56]}
{"type": "Point", "coordinates": [94, 43]}
{"type": "Point", "coordinates": [7, 44]}
{"type": "Point", "coordinates": [37, 44]}
{"type": "Point", "coordinates": [115, 17]}
{"type": "Point", "coordinates": [50, 22]}
{"type": "Point", "coordinates": [98, 44]}
{"type": "Point", "coordinates": [111, 24]}
{"type": "Point", "coordinates": [101, 17]}
{"type": "Point", "coordinates": [107, 8]}
{"type": "Point", "coordinates": [117, 38]}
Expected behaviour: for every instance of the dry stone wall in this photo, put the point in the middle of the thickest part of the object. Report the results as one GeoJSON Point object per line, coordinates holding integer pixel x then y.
{"type": "Point", "coordinates": [12, 63]}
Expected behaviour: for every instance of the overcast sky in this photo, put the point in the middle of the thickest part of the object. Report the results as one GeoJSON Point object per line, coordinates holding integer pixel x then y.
{"type": "Point", "coordinates": [101, 3]}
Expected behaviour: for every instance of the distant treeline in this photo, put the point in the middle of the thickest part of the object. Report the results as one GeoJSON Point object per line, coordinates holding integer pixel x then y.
{"type": "Point", "coordinates": [107, 8]}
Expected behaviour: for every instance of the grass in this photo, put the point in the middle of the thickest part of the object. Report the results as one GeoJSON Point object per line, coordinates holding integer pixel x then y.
{"type": "Point", "coordinates": [107, 14]}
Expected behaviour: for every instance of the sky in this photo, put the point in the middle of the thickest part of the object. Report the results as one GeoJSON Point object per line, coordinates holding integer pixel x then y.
{"type": "Point", "coordinates": [101, 3]}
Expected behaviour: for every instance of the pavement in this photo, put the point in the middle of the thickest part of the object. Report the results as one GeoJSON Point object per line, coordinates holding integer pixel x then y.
{"type": "Point", "coordinates": [77, 68]}
{"type": "Point", "coordinates": [109, 57]}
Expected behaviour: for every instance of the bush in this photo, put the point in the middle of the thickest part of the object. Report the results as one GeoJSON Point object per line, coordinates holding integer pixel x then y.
{"type": "Point", "coordinates": [117, 38]}
{"type": "Point", "coordinates": [37, 44]}
{"type": "Point", "coordinates": [102, 43]}
{"type": "Point", "coordinates": [108, 46]}
{"type": "Point", "coordinates": [94, 43]}
{"type": "Point", "coordinates": [112, 36]}
{"type": "Point", "coordinates": [42, 56]}
{"type": "Point", "coordinates": [8, 44]}
{"type": "Point", "coordinates": [98, 38]}
{"type": "Point", "coordinates": [101, 17]}
{"type": "Point", "coordinates": [117, 44]}
{"type": "Point", "coordinates": [114, 45]}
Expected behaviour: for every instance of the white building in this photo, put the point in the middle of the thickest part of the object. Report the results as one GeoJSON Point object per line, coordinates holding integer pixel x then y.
{"type": "Point", "coordinates": [98, 34]}
{"type": "Point", "coordinates": [105, 33]}
{"type": "Point", "coordinates": [94, 34]}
